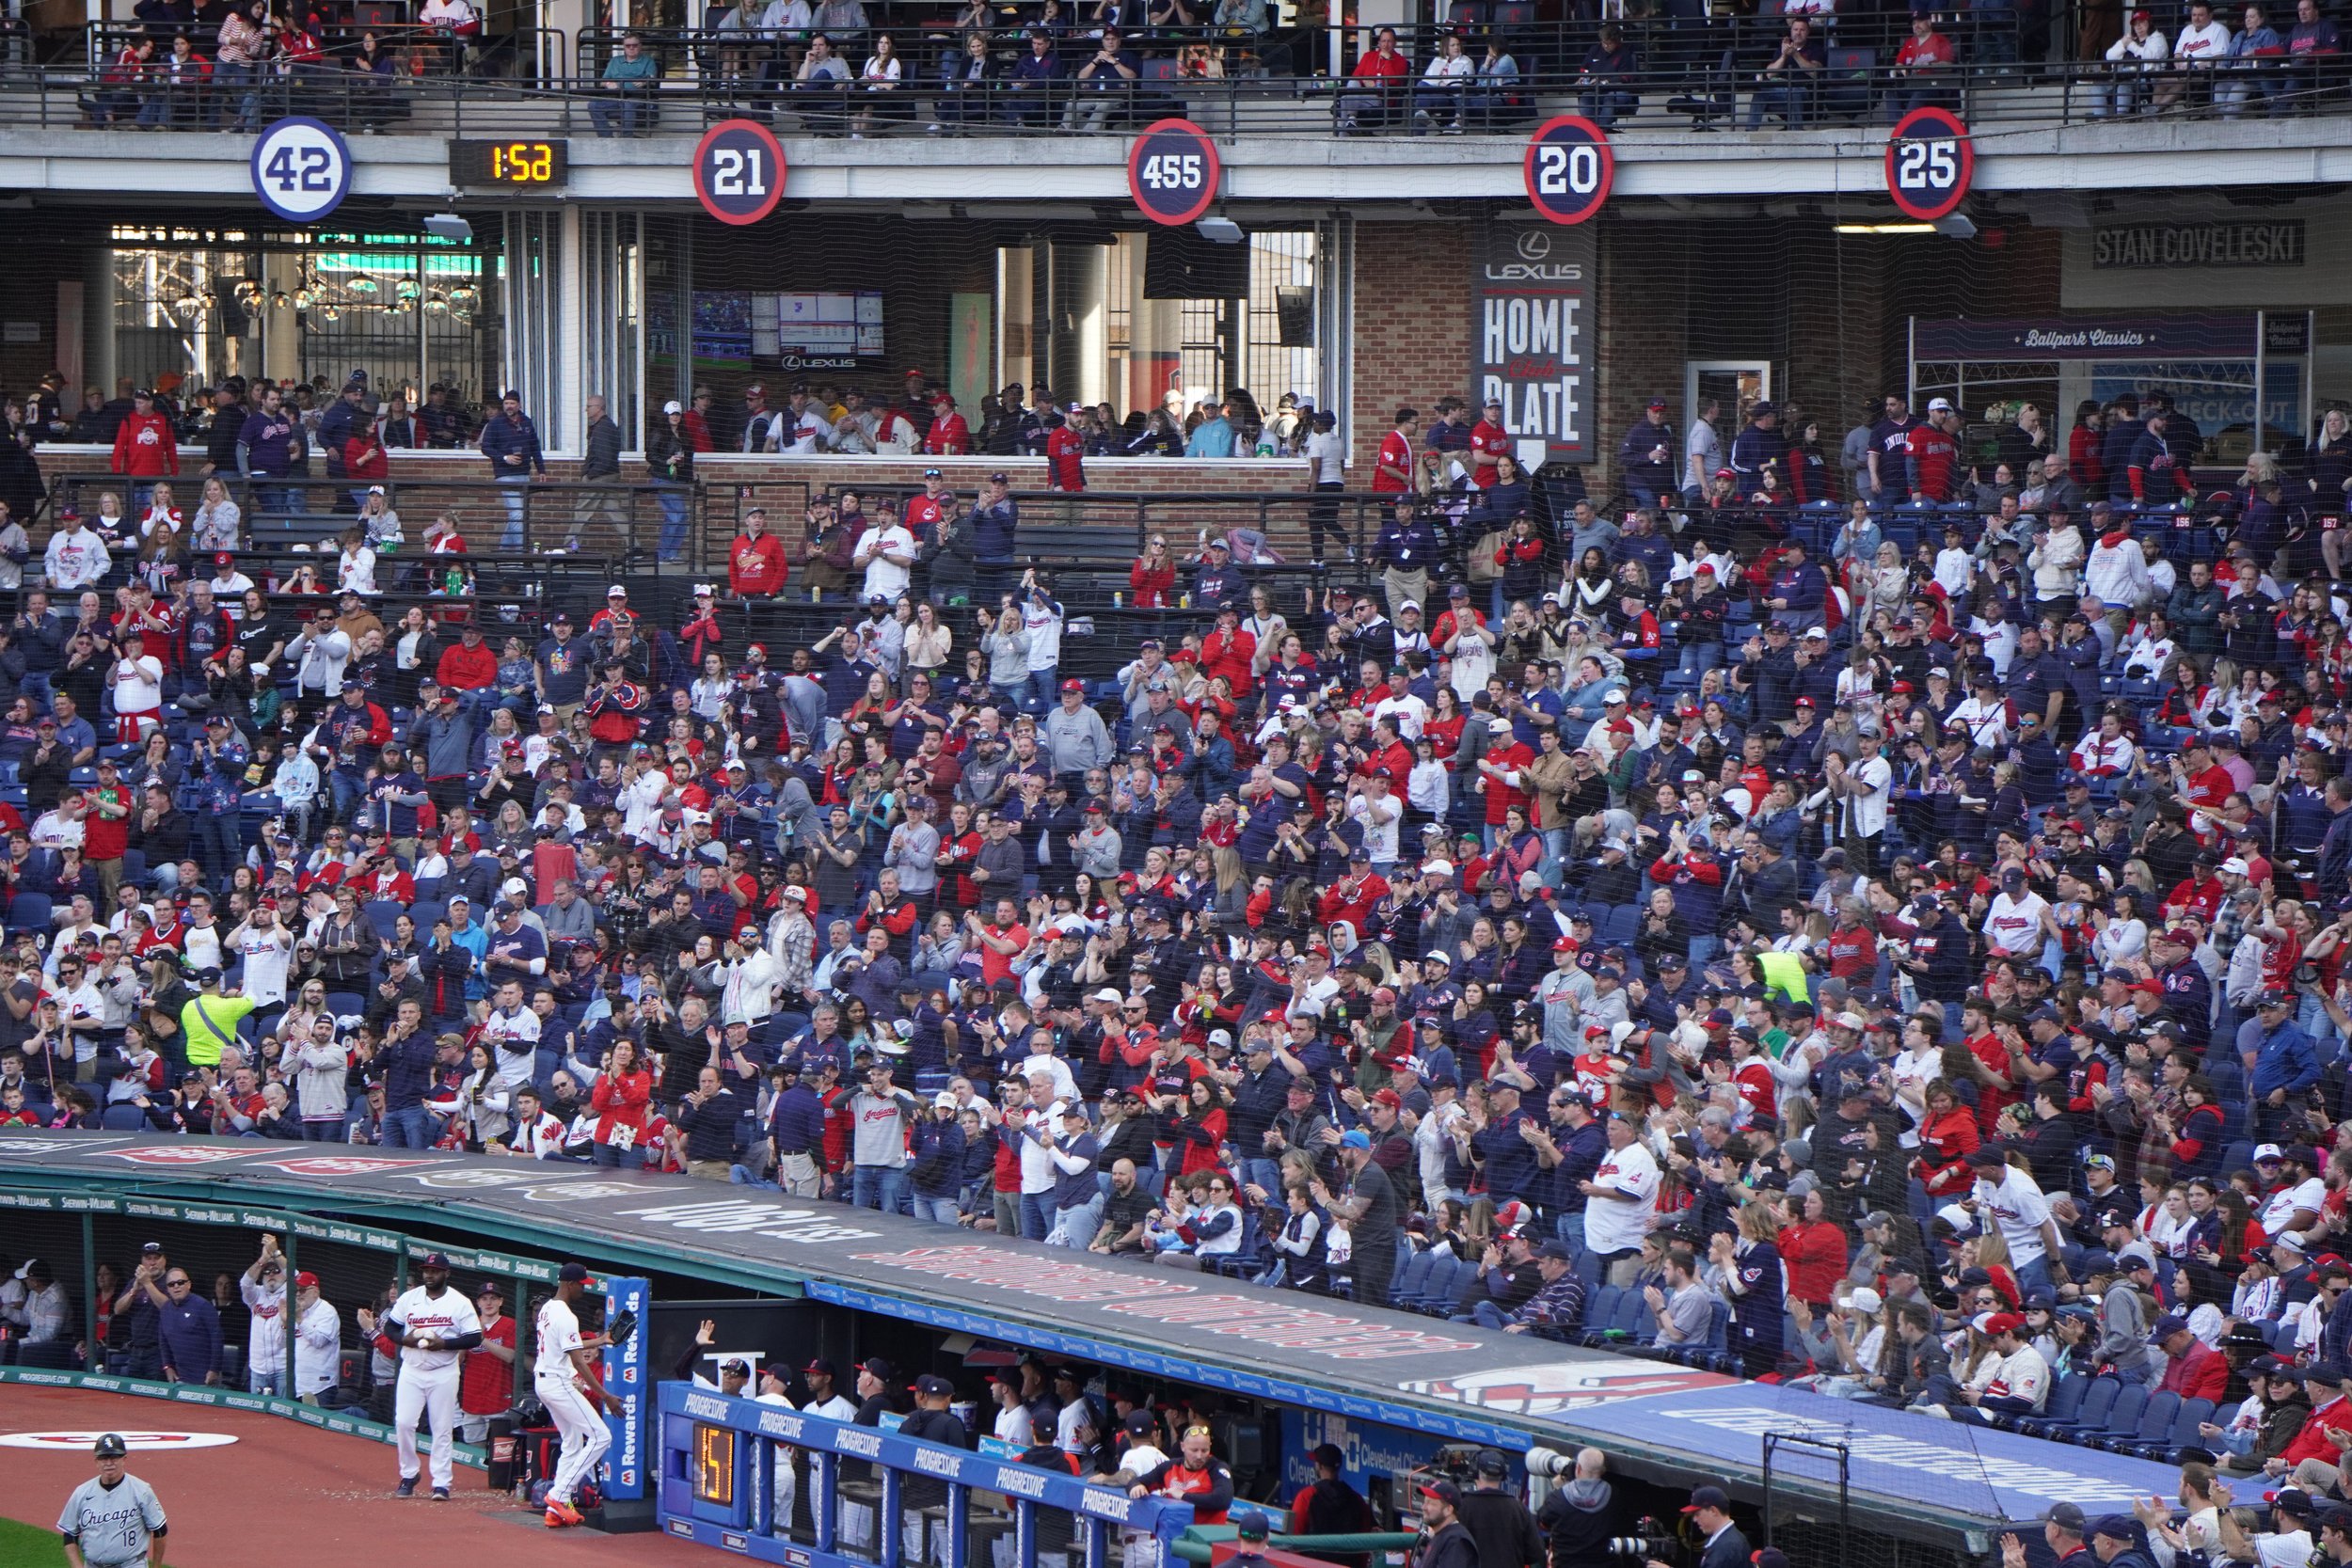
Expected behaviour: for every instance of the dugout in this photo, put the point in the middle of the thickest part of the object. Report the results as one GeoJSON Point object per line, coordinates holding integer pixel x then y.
{"type": "Point", "coordinates": [1274, 1372]}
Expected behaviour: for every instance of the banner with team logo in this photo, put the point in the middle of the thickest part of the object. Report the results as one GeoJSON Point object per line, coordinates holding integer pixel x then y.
{"type": "Point", "coordinates": [1532, 336]}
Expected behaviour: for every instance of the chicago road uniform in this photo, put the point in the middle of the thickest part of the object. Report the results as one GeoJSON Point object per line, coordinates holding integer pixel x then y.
{"type": "Point", "coordinates": [585, 1435]}
{"type": "Point", "coordinates": [112, 1526]}
{"type": "Point", "coordinates": [428, 1378]}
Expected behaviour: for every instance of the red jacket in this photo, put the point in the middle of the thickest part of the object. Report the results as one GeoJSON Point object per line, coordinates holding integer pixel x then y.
{"type": "Point", "coordinates": [1816, 1257]}
{"type": "Point", "coordinates": [468, 668]}
{"type": "Point", "coordinates": [2312, 1442]}
{"type": "Point", "coordinates": [949, 437]}
{"type": "Point", "coordinates": [756, 568]}
{"type": "Point", "coordinates": [2202, 1373]}
{"type": "Point", "coordinates": [144, 447]}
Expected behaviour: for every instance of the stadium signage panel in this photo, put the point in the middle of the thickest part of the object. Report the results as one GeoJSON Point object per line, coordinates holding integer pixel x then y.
{"type": "Point", "coordinates": [2276, 244]}
{"type": "Point", "coordinates": [2153, 336]}
{"type": "Point", "coordinates": [1527, 318]}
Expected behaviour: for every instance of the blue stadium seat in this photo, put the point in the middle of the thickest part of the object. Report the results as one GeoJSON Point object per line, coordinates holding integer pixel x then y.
{"type": "Point", "coordinates": [425, 912]}
{"type": "Point", "coordinates": [2192, 1415]}
{"type": "Point", "coordinates": [2122, 1419]}
{"type": "Point", "coordinates": [2060, 1409]}
{"type": "Point", "coordinates": [2155, 1421]}
{"type": "Point", "coordinates": [343, 1002]}
{"type": "Point", "coordinates": [381, 914]}
{"type": "Point", "coordinates": [1409, 1279]}
{"type": "Point", "coordinates": [1599, 1308]}
{"type": "Point", "coordinates": [2091, 1405]}
{"type": "Point", "coordinates": [30, 911]}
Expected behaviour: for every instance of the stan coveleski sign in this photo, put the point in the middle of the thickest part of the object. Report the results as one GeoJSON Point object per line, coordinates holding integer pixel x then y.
{"type": "Point", "coordinates": [2275, 243]}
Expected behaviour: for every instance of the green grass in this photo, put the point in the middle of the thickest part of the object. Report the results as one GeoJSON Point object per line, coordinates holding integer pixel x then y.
{"type": "Point", "coordinates": [29, 1546]}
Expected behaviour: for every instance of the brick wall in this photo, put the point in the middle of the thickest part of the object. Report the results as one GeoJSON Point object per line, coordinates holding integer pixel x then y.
{"type": "Point", "coordinates": [1413, 325]}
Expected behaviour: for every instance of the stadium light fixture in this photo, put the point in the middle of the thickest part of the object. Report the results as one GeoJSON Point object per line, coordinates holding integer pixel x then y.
{"type": "Point", "coordinates": [1219, 231]}
{"type": "Point", "coordinates": [1956, 226]}
{"type": "Point", "coordinates": [1886, 228]}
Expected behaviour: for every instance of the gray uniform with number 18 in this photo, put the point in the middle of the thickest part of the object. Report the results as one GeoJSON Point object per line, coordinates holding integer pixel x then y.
{"type": "Point", "coordinates": [112, 1525]}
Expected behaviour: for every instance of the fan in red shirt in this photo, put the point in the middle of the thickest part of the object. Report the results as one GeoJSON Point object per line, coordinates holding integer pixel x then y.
{"type": "Point", "coordinates": [757, 568]}
{"type": "Point", "coordinates": [469, 664]}
{"type": "Point", "coordinates": [1230, 651]}
{"type": "Point", "coordinates": [1814, 1251]}
{"type": "Point", "coordinates": [1752, 1075]}
{"type": "Point", "coordinates": [485, 1383]}
{"type": "Point", "coordinates": [950, 437]}
{"type": "Point", "coordinates": [1489, 442]}
{"type": "Point", "coordinates": [1064, 451]}
{"type": "Point", "coordinates": [1500, 771]}
{"type": "Point", "coordinates": [144, 447]}
{"type": "Point", "coordinates": [1355, 896]}
{"type": "Point", "coordinates": [1853, 949]}
{"type": "Point", "coordinates": [1932, 450]}
{"type": "Point", "coordinates": [2202, 782]}
{"type": "Point", "coordinates": [1393, 473]}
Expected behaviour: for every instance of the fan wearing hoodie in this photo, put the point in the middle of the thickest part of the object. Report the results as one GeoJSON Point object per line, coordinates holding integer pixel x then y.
{"type": "Point", "coordinates": [1581, 1514]}
{"type": "Point", "coordinates": [2116, 574]}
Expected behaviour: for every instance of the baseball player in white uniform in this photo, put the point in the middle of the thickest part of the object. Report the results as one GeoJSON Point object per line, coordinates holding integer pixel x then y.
{"type": "Point", "coordinates": [113, 1520]}
{"type": "Point", "coordinates": [561, 1374]}
{"type": "Point", "coordinates": [430, 1323]}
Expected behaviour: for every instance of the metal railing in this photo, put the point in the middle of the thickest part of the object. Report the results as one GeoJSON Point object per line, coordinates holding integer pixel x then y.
{"type": "Point", "coordinates": [1298, 82]}
{"type": "Point", "coordinates": [564, 526]}
{"type": "Point", "coordinates": [726, 1476]}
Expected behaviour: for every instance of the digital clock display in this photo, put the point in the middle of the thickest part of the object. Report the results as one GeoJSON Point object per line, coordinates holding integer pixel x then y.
{"type": "Point", "coordinates": [714, 1465]}
{"type": "Point", "coordinates": [510, 164]}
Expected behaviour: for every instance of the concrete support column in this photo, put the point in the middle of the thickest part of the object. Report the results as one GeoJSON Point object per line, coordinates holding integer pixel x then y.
{"type": "Point", "coordinates": [1081, 340]}
{"type": "Point", "coordinates": [1155, 336]}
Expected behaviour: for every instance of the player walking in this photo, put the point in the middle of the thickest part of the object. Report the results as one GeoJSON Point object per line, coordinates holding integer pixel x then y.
{"type": "Point", "coordinates": [560, 1373]}
{"type": "Point", "coordinates": [115, 1520]}
{"type": "Point", "coordinates": [429, 1325]}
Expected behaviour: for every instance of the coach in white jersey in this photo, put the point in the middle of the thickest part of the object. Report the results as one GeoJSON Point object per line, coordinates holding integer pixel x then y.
{"type": "Point", "coordinates": [113, 1520]}
{"type": "Point", "coordinates": [561, 1372]}
{"type": "Point", "coordinates": [430, 1324]}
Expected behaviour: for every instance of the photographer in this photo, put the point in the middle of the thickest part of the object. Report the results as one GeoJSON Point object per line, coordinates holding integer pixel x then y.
{"type": "Point", "coordinates": [1580, 1516]}
{"type": "Point", "coordinates": [1500, 1524]}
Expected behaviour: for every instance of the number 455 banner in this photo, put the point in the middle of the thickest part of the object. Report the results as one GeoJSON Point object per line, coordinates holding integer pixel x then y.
{"type": "Point", "coordinates": [301, 169]}
{"type": "Point", "coordinates": [1172, 171]}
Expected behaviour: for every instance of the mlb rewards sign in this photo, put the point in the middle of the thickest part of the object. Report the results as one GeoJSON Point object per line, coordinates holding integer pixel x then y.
{"type": "Point", "coordinates": [1531, 333]}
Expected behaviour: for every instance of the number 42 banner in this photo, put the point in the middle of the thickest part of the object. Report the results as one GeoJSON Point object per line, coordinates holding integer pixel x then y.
{"type": "Point", "coordinates": [301, 169]}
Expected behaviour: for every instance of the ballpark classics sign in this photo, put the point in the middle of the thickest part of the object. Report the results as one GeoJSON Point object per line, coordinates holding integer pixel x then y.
{"type": "Point", "coordinates": [2275, 243]}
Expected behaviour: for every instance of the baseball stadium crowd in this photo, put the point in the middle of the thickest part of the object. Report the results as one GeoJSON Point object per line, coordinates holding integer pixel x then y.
{"type": "Point", "coordinates": [1898, 949]}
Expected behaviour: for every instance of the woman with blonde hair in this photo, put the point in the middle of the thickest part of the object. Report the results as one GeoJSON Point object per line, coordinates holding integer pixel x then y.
{"type": "Point", "coordinates": [1750, 1275]}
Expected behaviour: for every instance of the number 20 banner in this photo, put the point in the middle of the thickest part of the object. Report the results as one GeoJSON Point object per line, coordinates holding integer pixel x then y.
{"type": "Point", "coordinates": [1570, 168]}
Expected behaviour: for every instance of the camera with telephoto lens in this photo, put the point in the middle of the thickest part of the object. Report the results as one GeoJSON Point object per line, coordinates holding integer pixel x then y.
{"type": "Point", "coordinates": [1650, 1540]}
